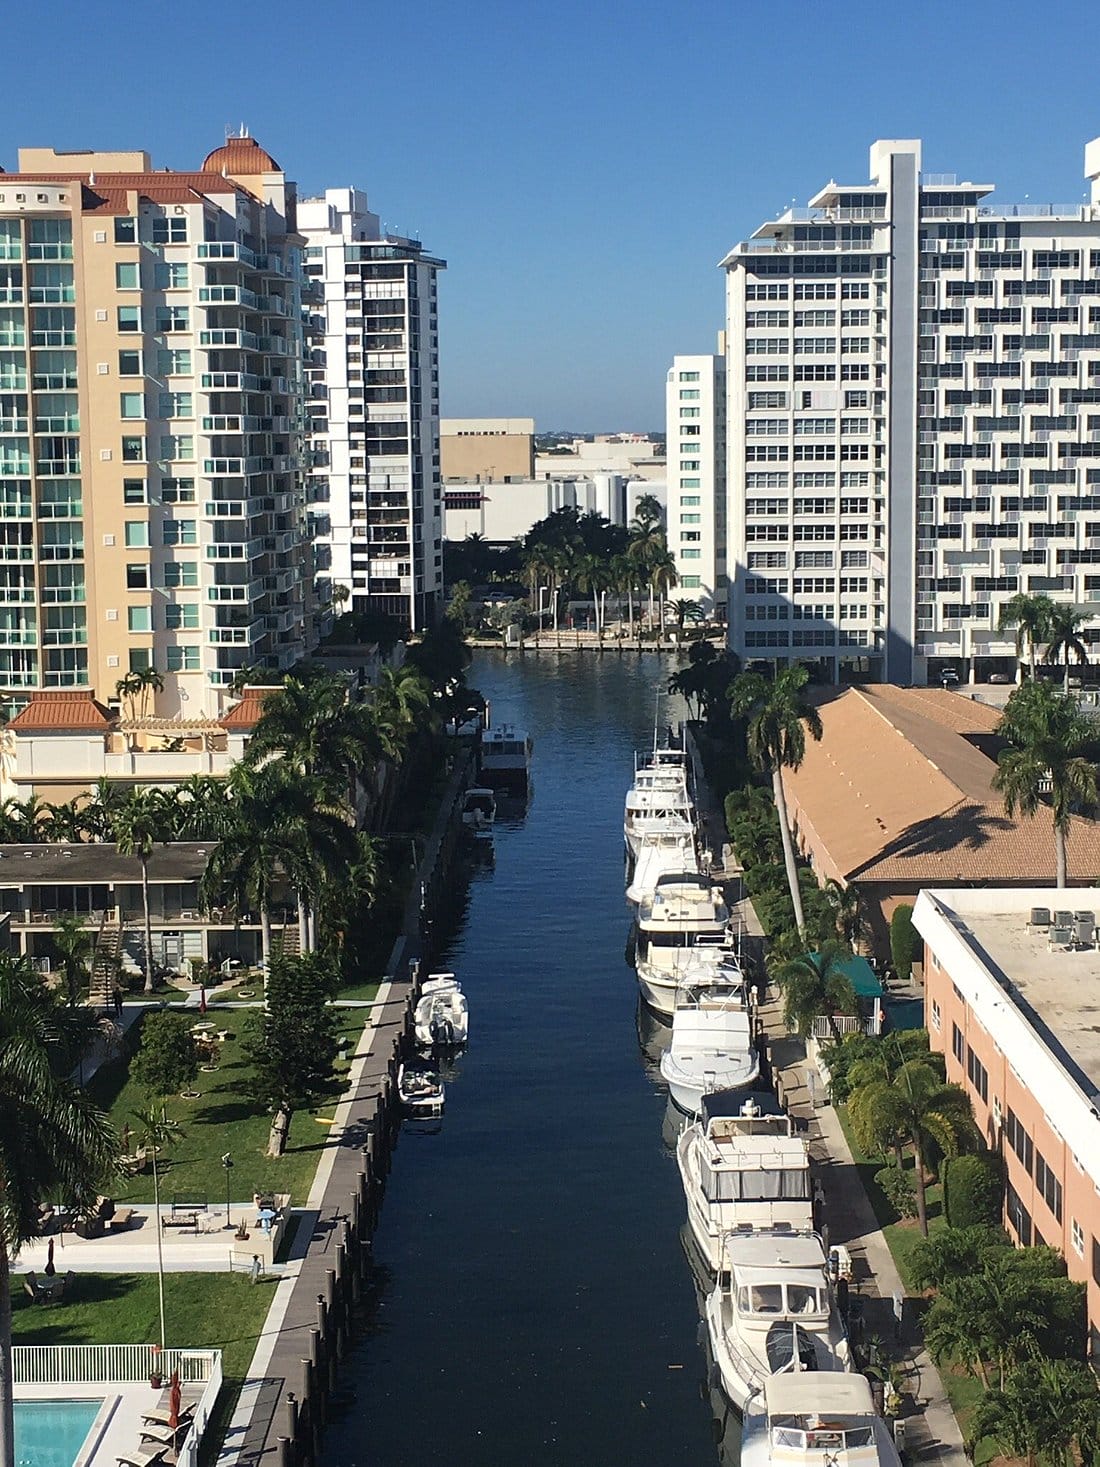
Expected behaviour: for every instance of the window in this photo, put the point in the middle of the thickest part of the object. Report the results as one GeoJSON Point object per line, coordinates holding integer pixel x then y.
{"type": "Point", "coordinates": [131, 405]}
{"type": "Point", "coordinates": [129, 364]}
{"type": "Point", "coordinates": [137, 534]}
{"type": "Point", "coordinates": [128, 276]}
{"type": "Point", "coordinates": [1019, 1140]}
{"type": "Point", "coordinates": [181, 575]}
{"type": "Point", "coordinates": [813, 559]}
{"type": "Point", "coordinates": [183, 659]}
{"type": "Point", "coordinates": [691, 554]}
{"type": "Point", "coordinates": [1077, 1237]}
{"type": "Point", "coordinates": [137, 578]}
{"type": "Point", "coordinates": [172, 318]}
{"type": "Point", "coordinates": [140, 618]}
{"type": "Point", "coordinates": [126, 230]}
{"type": "Point", "coordinates": [1018, 1216]}
{"type": "Point", "coordinates": [977, 1075]}
{"type": "Point", "coordinates": [173, 362]}
{"type": "Point", "coordinates": [181, 532]}
{"type": "Point", "coordinates": [133, 450]}
{"type": "Point", "coordinates": [170, 231]}
{"type": "Point", "coordinates": [141, 659]}
{"type": "Point", "coordinates": [129, 318]}
{"type": "Point", "coordinates": [958, 1043]}
{"type": "Point", "coordinates": [691, 519]}
{"type": "Point", "coordinates": [1048, 1184]}
{"type": "Point", "coordinates": [689, 376]}
{"type": "Point", "coordinates": [936, 1016]}
{"type": "Point", "coordinates": [182, 616]}
{"type": "Point", "coordinates": [177, 491]}
{"type": "Point", "coordinates": [691, 582]}
{"type": "Point", "coordinates": [170, 276]}
{"type": "Point", "coordinates": [176, 405]}
{"type": "Point", "coordinates": [692, 499]}
{"type": "Point", "coordinates": [134, 491]}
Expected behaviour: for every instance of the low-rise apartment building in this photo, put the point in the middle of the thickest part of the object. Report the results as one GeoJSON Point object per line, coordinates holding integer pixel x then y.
{"type": "Point", "coordinates": [1017, 1019]}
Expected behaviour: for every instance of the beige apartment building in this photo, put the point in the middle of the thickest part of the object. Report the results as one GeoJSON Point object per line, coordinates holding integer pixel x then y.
{"type": "Point", "coordinates": [153, 512]}
{"type": "Point", "coordinates": [487, 450]}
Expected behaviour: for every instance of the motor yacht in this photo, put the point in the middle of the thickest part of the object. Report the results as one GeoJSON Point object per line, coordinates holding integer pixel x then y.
{"type": "Point", "coordinates": [772, 1311]}
{"type": "Point", "coordinates": [506, 757]}
{"type": "Point", "coordinates": [442, 1016]}
{"type": "Point", "coordinates": [660, 790]}
{"type": "Point", "coordinates": [664, 846]}
{"type": "Point", "coordinates": [743, 1167]}
{"type": "Point", "coordinates": [819, 1420]}
{"type": "Point", "coordinates": [711, 1046]}
{"type": "Point", "coordinates": [682, 934]}
{"type": "Point", "coordinates": [479, 812]}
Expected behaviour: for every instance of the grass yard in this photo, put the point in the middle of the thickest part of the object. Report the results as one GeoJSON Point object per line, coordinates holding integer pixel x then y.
{"type": "Point", "coordinates": [223, 1118]}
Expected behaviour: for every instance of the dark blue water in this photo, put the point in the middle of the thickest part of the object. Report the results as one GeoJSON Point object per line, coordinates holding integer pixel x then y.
{"type": "Point", "coordinates": [534, 1304]}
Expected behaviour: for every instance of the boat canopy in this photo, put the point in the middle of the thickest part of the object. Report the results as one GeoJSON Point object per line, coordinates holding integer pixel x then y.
{"type": "Point", "coordinates": [821, 1393]}
{"type": "Point", "coordinates": [740, 1103]}
{"type": "Point", "coordinates": [778, 1249]}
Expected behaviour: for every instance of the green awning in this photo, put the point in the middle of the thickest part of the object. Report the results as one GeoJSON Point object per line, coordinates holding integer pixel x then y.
{"type": "Point", "coordinates": [861, 975]}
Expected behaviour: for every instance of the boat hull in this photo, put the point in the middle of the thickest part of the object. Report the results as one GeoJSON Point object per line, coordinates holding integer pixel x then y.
{"type": "Point", "coordinates": [687, 1090]}
{"type": "Point", "coordinates": [739, 1379]}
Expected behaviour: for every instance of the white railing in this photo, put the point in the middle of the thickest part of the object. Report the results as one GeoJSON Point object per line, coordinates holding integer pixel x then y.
{"type": "Point", "coordinates": [110, 1364]}
{"type": "Point", "coordinates": [188, 1454]}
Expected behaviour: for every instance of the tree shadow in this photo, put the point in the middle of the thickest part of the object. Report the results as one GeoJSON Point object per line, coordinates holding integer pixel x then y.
{"type": "Point", "coordinates": [965, 827]}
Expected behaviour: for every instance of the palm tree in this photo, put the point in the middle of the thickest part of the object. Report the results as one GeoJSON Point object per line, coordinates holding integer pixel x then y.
{"type": "Point", "coordinates": [1064, 639]}
{"type": "Point", "coordinates": [98, 814]}
{"type": "Point", "coordinates": [64, 822]}
{"type": "Point", "coordinates": [1044, 1408]}
{"type": "Point", "coordinates": [1047, 733]}
{"type": "Point", "coordinates": [591, 578]}
{"type": "Point", "coordinates": [53, 1140]}
{"type": "Point", "coordinates": [75, 947]}
{"type": "Point", "coordinates": [778, 720]}
{"type": "Point", "coordinates": [138, 825]}
{"type": "Point", "coordinates": [315, 727]}
{"type": "Point", "coordinates": [1030, 615]}
{"type": "Point", "coordinates": [648, 512]}
{"type": "Point", "coordinates": [844, 901]}
{"type": "Point", "coordinates": [647, 544]}
{"type": "Point", "coordinates": [814, 986]}
{"type": "Point", "coordinates": [663, 576]}
{"type": "Point", "coordinates": [686, 610]}
{"type": "Point", "coordinates": [201, 810]}
{"type": "Point", "coordinates": [402, 701]}
{"type": "Point", "coordinates": [914, 1108]}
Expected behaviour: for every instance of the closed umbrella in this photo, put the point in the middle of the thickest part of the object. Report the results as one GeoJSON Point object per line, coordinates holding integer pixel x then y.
{"type": "Point", "coordinates": [174, 1401]}
{"type": "Point", "coordinates": [202, 998]}
{"type": "Point", "coordinates": [50, 1270]}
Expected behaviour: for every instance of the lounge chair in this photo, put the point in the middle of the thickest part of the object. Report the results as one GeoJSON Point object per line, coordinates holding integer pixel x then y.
{"type": "Point", "coordinates": [141, 1458]}
{"type": "Point", "coordinates": [162, 1417]}
{"type": "Point", "coordinates": [167, 1436]}
{"type": "Point", "coordinates": [30, 1286]}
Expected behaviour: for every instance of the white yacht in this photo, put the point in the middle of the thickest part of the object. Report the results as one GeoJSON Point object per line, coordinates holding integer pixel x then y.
{"type": "Point", "coordinates": [772, 1311]}
{"type": "Point", "coordinates": [442, 1016]}
{"type": "Point", "coordinates": [682, 935]}
{"type": "Point", "coordinates": [711, 1046]}
{"type": "Point", "coordinates": [818, 1420]}
{"type": "Point", "coordinates": [664, 847]}
{"type": "Point", "coordinates": [506, 757]}
{"type": "Point", "coordinates": [743, 1167]}
{"type": "Point", "coordinates": [479, 812]}
{"type": "Point", "coordinates": [660, 790]}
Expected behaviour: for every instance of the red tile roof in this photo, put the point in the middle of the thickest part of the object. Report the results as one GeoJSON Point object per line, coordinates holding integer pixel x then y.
{"type": "Point", "coordinates": [63, 712]}
{"type": "Point", "coordinates": [246, 713]}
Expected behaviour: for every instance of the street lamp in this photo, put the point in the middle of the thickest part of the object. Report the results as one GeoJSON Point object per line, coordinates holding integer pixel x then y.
{"type": "Point", "coordinates": [227, 1163]}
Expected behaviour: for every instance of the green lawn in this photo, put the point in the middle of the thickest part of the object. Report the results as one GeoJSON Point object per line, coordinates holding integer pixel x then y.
{"type": "Point", "coordinates": [222, 1119]}
{"type": "Point", "coordinates": [223, 1311]}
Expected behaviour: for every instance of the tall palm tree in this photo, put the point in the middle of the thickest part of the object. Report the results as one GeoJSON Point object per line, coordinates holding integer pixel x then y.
{"type": "Point", "coordinates": [64, 822]}
{"type": "Point", "coordinates": [200, 808]}
{"type": "Point", "coordinates": [813, 987]}
{"type": "Point", "coordinates": [915, 1108]}
{"type": "Point", "coordinates": [402, 700]}
{"type": "Point", "coordinates": [1030, 615]}
{"type": "Point", "coordinates": [138, 825]}
{"type": "Point", "coordinates": [647, 544]}
{"type": "Point", "coordinates": [75, 948]}
{"type": "Point", "coordinates": [154, 1132]}
{"type": "Point", "coordinates": [591, 578]}
{"type": "Point", "coordinates": [1064, 639]}
{"type": "Point", "coordinates": [663, 576]}
{"type": "Point", "coordinates": [1047, 734]}
{"type": "Point", "coordinates": [648, 511]}
{"type": "Point", "coordinates": [844, 901]}
{"type": "Point", "coordinates": [779, 718]}
{"type": "Point", "coordinates": [686, 610]}
{"type": "Point", "coordinates": [315, 727]}
{"type": "Point", "coordinates": [53, 1140]}
{"type": "Point", "coordinates": [98, 814]}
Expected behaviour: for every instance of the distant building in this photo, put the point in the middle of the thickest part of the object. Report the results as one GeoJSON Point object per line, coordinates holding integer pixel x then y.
{"type": "Point", "coordinates": [501, 512]}
{"type": "Point", "coordinates": [487, 450]}
{"type": "Point", "coordinates": [1016, 1024]}
{"type": "Point", "coordinates": [695, 414]}
{"type": "Point", "coordinates": [630, 454]}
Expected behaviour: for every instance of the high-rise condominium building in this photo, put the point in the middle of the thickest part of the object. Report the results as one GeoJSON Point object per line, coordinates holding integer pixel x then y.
{"type": "Point", "coordinates": [373, 383]}
{"type": "Point", "coordinates": [914, 421]}
{"type": "Point", "coordinates": [150, 424]}
{"type": "Point", "coordinates": [695, 418]}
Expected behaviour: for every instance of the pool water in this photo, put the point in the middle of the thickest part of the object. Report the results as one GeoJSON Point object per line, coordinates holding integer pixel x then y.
{"type": "Point", "coordinates": [51, 1433]}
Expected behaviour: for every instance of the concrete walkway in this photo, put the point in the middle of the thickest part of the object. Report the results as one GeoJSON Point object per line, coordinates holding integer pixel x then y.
{"type": "Point", "coordinates": [931, 1432]}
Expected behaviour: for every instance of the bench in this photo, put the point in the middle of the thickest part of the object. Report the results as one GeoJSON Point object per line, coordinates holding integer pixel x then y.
{"type": "Point", "coordinates": [122, 1218]}
{"type": "Point", "coordinates": [181, 1220]}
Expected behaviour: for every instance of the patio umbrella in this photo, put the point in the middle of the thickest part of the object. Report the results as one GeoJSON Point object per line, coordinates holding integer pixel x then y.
{"type": "Point", "coordinates": [50, 1270]}
{"type": "Point", "coordinates": [202, 998]}
{"type": "Point", "coordinates": [265, 1217]}
{"type": "Point", "coordinates": [174, 1401]}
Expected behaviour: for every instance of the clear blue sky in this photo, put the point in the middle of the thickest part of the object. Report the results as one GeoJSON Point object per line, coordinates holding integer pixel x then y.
{"type": "Point", "coordinates": [581, 165]}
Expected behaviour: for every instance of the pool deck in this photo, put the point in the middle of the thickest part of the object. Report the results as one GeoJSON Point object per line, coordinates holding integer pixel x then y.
{"type": "Point", "coordinates": [118, 1426]}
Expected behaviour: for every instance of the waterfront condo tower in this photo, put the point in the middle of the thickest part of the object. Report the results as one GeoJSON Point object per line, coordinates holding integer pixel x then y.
{"type": "Point", "coordinates": [373, 383]}
{"type": "Point", "coordinates": [914, 422]}
{"type": "Point", "coordinates": [695, 425]}
{"type": "Point", "coordinates": [150, 424]}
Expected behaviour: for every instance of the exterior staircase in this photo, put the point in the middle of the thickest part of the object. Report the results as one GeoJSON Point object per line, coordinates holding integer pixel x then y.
{"type": "Point", "coordinates": [108, 949]}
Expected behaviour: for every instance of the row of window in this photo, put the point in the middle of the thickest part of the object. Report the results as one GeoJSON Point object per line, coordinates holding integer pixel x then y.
{"type": "Point", "coordinates": [179, 616]}
{"type": "Point", "coordinates": [826, 371]}
{"type": "Point", "coordinates": [806, 559]}
{"type": "Point", "coordinates": [807, 290]}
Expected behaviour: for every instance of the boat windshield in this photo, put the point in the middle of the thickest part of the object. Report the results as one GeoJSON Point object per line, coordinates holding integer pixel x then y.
{"type": "Point", "coordinates": [823, 1438]}
{"type": "Point", "coordinates": [786, 1184]}
{"type": "Point", "coordinates": [769, 1299]}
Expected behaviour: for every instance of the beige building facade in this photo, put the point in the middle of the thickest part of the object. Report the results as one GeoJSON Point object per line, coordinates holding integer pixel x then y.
{"type": "Point", "coordinates": [150, 425]}
{"type": "Point", "coordinates": [487, 450]}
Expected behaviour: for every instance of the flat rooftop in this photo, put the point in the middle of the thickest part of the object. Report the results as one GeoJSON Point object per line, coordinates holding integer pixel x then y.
{"type": "Point", "coordinates": [99, 864]}
{"type": "Point", "coordinates": [1058, 992]}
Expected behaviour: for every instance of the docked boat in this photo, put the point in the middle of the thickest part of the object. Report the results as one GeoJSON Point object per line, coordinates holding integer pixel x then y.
{"type": "Point", "coordinates": [818, 1420]}
{"type": "Point", "coordinates": [442, 1016]}
{"type": "Point", "coordinates": [682, 934]}
{"type": "Point", "coordinates": [664, 848]}
{"type": "Point", "coordinates": [743, 1168]}
{"type": "Point", "coordinates": [506, 757]}
{"type": "Point", "coordinates": [659, 792]}
{"type": "Point", "coordinates": [711, 1046]}
{"type": "Point", "coordinates": [772, 1311]}
{"type": "Point", "coordinates": [479, 812]}
{"type": "Point", "coordinates": [421, 1092]}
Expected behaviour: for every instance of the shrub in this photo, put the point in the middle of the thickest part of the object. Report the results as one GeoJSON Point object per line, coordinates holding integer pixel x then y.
{"type": "Point", "coordinates": [903, 941]}
{"type": "Point", "coordinates": [168, 1059]}
{"type": "Point", "coordinates": [897, 1184]}
{"type": "Point", "coordinates": [973, 1190]}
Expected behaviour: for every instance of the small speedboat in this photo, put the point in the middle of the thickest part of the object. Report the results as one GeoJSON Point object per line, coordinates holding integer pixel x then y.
{"type": "Point", "coordinates": [442, 1016]}
{"type": "Point", "coordinates": [479, 812]}
{"type": "Point", "coordinates": [421, 1092]}
{"type": "Point", "coordinates": [808, 1420]}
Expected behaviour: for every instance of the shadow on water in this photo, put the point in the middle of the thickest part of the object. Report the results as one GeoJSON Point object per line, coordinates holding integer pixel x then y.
{"type": "Point", "coordinates": [535, 1305]}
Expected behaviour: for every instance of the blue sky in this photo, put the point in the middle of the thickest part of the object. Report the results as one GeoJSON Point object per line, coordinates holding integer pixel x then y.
{"type": "Point", "coordinates": [582, 166]}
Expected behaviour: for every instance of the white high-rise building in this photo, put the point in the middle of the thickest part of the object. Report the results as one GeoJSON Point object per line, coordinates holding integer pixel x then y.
{"type": "Point", "coordinates": [914, 422]}
{"type": "Point", "coordinates": [695, 419]}
{"type": "Point", "coordinates": [373, 387]}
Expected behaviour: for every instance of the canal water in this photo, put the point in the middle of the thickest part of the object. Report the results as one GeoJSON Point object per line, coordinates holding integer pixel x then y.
{"type": "Point", "coordinates": [534, 1306]}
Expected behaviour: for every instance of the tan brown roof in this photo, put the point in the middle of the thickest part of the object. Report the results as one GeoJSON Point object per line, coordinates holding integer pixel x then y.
{"type": "Point", "coordinates": [240, 158]}
{"type": "Point", "coordinates": [110, 193]}
{"type": "Point", "coordinates": [246, 713]}
{"type": "Point", "coordinates": [900, 790]}
{"type": "Point", "coordinates": [62, 712]}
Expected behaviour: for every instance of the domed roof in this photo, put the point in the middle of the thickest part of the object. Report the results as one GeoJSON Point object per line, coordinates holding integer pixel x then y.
{"type": "Point", "coordinates": [240, 158]}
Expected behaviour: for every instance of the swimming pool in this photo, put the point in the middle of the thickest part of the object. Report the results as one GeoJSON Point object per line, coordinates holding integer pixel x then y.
{"type": "Point", "coordinates": [51, 1433]}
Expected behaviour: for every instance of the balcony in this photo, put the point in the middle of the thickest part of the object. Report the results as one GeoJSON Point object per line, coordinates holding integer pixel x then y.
{"type": "Point", "coordinates": [246, 636]}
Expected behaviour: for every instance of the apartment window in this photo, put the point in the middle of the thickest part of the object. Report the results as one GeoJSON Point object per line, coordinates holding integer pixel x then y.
{"type": "Point", "coordinates": [131, 405]}
{"type": "Point", "coordinates": [958, 1043]}
{"type": "Point", "coordinates": [129, 364]}
{"type": "Point", "coordinates": [169, 275]}
{"type": "Point", "coordinates": [176, 405]}
{"type": "Point", "coordinates": [813, 560]}
{"type": "Point", "coordinates": [128, 275]}
{"type": "Point", "coordinates": [768, 346]}
{"type": "Point", "coordinates": [181, 575]}
{"type": "Point", "coordinates": [689, 376]}
{"type": "Point", "coordinates": [815, 372]}
{"type": "Point", "coordinates": [691, 554]}
{"type": "Point", "coordinates": [133, 450]}
{"type": "Point", "coordinates": [141, 659]}
{"type": "Point", "coordinates": [177, 491]}
{"type": "Point", "coordinates": [767, 400]}
{"type": "Point", "coordinates": [689, 412]}
{"type": "Point", "coordinates": [855, 290]}
{"type": "Point", "coordinates": [767, 318]}
{"type": "Point", "coordinates": [126, 230]}
{"type": "Point", "coordinates": [814, 427]}
{"type": "Point", "coordinates": [1048, 1184]}
{"type": "Point", "coordinates": [691, 535]}
{"type": "Point", "coordinates": [814, 479]}
{"type": "Point", "coordinates": [689, 394]}
{"type": "Point", "coordinates": [1018, 1216]}
{"type": "Point", "coordinates": [1077, 1237]}
{"type": "Point", "coordinates": [176, 446]}
{"type": "Point", "coordinates": [134, 491]}
{"type": "Point", "coordinates": [174, 362]}
{"type": "Point", "coordinates": [814, 452]}
{"type": "Point", "coordinates": [766, 479]}
{"type": "Point", "coordinates": [766, 428]}
{"type": "Point", "coordinates": [137, 577]}
{"type": "Point", "coordinates": [814, 290]}
{"type": "Point", "coordinates": [686, 499]}
{"type": "Point", "coordinates": [814, 532]}
{"type": "Point", "coordinates": [814, 318]}
{"type": "Point", "coordinates": [767, 559]}
{"type": "Point", "coordinates": [857, 399]}
{"type": "Point", "coordinates": [140, 618]}
{"type": "Point", "coordinates": [853, 559]}
{"type": "Point", "coordinates": [691, 519]}
{"type": "Point", "coordinates": [172, 230]}
{"type": "Point", "coordinates": [977, 1075]}
{"type": "Point", "coordinates": [181, 532]}
{"type": "Point", "coordinates": [766, 290]}
{"type": "Point", "coordinates": [936, 1016]}
{"type": "Point", "coordinates": [172, 318]}
{"type": "Point", "coordinates": [182, 616]}
{"type": "Point", "coordinates": [691, 583]}
{"type": "Point", "coordinates": [1019, 1140]}
{"type": "Point", "coordinates": [129, 318]}
{"type": "Point", "coordinates": [182, 659]}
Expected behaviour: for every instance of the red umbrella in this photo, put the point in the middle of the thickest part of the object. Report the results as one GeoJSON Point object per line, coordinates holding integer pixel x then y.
{"type": "Point", "coordinates": [50, 1269]}
{"type": "Point", "coordinates": [174, 1401]}
{"type": "Point", "coordinates": [202, 998]}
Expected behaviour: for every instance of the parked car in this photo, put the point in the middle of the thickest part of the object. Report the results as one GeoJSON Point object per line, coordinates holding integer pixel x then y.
{"type": "Point", "coordinates": [1001, 678]}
